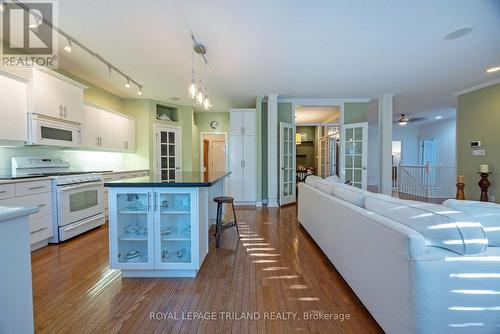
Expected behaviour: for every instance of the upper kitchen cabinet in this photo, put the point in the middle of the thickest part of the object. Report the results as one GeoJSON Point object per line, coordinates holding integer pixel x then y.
{"type": "Point", "coordinates": [56, 96]}
{"type": "Point", "coordinates": [13, 106]}
{"type": "Point", "coordinates": [107, 130]}
{"type": "Point", "coordinates": [53, 95]}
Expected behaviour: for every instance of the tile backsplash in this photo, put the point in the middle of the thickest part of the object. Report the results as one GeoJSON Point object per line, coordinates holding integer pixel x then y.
{"type": "Point", "coordinates": [79, 159]}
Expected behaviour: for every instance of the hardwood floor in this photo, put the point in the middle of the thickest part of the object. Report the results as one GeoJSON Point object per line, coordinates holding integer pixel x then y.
{"type": "Point", "coordinates": [274, 267]}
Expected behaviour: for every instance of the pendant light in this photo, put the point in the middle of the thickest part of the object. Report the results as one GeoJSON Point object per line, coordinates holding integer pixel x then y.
{"type": "Point", "coordinates": [192, 85]}
{"type": "Point", "coordinates": [198, 91]}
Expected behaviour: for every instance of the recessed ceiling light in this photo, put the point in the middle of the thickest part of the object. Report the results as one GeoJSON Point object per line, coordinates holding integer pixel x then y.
{"type": "Point", "coordinates": [438, 117]}
{"type": "Point", "coordinates": [458, 33]}
{"type": "Point", "coordinates": [493, 69]}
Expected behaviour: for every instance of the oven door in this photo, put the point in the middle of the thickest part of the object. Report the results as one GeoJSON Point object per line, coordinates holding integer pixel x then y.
{"type": "Point", "coordinates": [54, 133]}
{"type": "Point", "coordinates": [78, 202]}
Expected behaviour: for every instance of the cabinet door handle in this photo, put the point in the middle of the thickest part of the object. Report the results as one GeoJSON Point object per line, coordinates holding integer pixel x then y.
{"type": "Point", "coordinates": [3, 191]}
{"type": "Point", "coordinates": [64, 111]}
{"type": "Point", "coordinates": [34, 188]}
{"type": "Point", "coordinates": [60, 111]}
{"type": "Point", "coordinates": [39, 230]}
{"type": "Point", "coordinates": [42, 205]}
{"type": "Point", "coordinates": [242, 163]}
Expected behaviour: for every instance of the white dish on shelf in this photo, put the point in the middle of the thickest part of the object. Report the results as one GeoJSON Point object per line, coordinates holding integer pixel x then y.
{"type": "Point", "coordinates": [131, 229]}
{"type": "Point", "coordinates": [133, 254]}
{"type": "Point", "coordinates": [166, 231]}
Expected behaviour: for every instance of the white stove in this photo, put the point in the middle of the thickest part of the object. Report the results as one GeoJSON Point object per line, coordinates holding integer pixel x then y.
{"type": "Point", "coordinates": [77, 196]}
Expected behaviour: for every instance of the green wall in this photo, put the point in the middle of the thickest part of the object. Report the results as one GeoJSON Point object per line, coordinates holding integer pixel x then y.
{"type": "Point", "coordinates": [203, 120]}
{"type": "Point", "coordinates": [355, 112]}
{"type": "Point", "coordinates": [478, 118]}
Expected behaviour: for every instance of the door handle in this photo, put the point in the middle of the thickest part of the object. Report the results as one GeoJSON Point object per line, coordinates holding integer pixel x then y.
{"type": "Point", "coordinates": [64, 111]}
{"type": "Point", "coordinates": [60, 111]}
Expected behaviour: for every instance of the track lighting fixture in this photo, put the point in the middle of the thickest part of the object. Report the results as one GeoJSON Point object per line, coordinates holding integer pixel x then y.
{"type": "Point", "coordinates": [36, 20]}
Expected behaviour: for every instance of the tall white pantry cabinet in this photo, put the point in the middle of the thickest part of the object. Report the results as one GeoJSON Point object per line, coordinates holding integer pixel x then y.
{"type": "Point", "coordinates": [242, 155]}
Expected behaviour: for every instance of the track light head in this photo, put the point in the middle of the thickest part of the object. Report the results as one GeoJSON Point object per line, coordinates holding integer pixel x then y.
{"type": "Point", "coordinates": [127, 85]}
{"type": "Point", "coordinates": [69, 47]}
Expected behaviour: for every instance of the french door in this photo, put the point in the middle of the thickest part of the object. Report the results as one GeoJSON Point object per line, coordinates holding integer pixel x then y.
{"type": "Point", "coordinates": [287, 164]}
{"type": "Point", "coordinates": [354, 157]}
{"type": "Point", "coordinates": [168, 156]}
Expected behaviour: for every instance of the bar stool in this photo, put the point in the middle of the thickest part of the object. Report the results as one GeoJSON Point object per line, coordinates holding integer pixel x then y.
{"type": "Point", "coordinates": [219, 227]}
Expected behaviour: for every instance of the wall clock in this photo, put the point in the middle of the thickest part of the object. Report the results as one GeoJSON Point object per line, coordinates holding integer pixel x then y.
{"type": "Point", "coordinates": [214, 124]}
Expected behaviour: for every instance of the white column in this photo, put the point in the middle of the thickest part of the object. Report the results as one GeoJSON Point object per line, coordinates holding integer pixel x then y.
{"type": "Point", "coordinates": [272, 150]}
{"type": "Point", "coordinates": [385, 115]}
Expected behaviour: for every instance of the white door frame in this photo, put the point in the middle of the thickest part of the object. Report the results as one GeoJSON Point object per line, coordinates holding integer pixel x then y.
{"type": "Point", "coordinates": [292, 197]}
{"type": "Point", "coordinates": [201, 147]}
{"type": "Point", "coordinates": [364, 158]}
{"type": "Point", "coordinates": [156, 128]}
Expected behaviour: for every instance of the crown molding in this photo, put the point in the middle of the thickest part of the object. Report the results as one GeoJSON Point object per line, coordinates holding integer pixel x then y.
{"type": "Point", "coordinates": [476, 87]}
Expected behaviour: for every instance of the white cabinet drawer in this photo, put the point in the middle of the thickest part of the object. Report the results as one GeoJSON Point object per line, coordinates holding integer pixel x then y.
{"type": "Point", "coordinates": [30, 188]}
{"type": "Point", "coordinates": [43, 201]}
{"type": "Point", "coordinates": [7, 191]}
{"type": "Point", "coordinates": [40, 228]}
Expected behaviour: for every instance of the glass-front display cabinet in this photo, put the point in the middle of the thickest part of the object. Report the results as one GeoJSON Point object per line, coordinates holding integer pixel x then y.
{"type": "Point", "coordinates": [154, 228]}
{"type": "Point", "coordinates": [174, 232]}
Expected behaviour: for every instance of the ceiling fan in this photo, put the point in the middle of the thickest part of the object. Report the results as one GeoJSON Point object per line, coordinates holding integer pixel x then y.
{"type": "Point", "coordinates": [403, 120]}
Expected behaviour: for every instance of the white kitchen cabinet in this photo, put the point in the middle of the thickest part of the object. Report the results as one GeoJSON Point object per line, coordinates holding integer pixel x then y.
{"type": "Point", "coordinates": [155, 231]}
{"type": "Point", "coordinates": [242, 158]}
{"type": "Point", "coordinates": [13, 106]}
{"type": "Point", "coordinates": [52, 94]}
{"type": "Point", "coordinates": [29, 194]}
{"type": "Point", "coordinates": [107, 130]}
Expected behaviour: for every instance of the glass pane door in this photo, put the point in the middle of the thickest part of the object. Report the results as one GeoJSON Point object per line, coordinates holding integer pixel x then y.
{"type": "Point", "coordinates": [355, 155]}
{"type": "Point", "coordinates": [133, 228]}
{"type": "Point", "coordinates": [173, 229]}
{"type": "Point", "coordinates": [287, 163]}
{"type": "Point", "coordinates": [168, 160]}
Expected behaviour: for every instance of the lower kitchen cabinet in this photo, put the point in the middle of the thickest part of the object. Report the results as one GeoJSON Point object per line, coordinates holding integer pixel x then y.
{"type": "Point", "coordinates": [154, 232]}
{"type": "Point", "coordinates": [29, 194]}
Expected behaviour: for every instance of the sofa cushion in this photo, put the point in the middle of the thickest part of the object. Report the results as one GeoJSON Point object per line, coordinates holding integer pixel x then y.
{"type": "Point", "coordinates": [488, 214]}
{"type": "Point", "coordinates": [334, 179]}
{"type": "Point", "coordinates": [312, 180]}
{"type": "Point", "coordinates": [349, 194]}
{"type": "Point", "coordinates": [441, 226]}
{"type": "Point", "coordinates": [325, 187]}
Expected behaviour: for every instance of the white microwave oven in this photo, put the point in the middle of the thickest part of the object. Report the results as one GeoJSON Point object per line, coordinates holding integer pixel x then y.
{"type": "Point", "coordinates": [48, 131]}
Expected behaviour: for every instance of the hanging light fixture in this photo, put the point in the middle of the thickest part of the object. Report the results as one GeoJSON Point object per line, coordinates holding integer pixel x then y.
{"type": "Point", "coordinates": [139, 92]}
{"type": "Point", "coordinates": [127, 85]}
{"type": "Point", "coordinates": [199, 92]}
{"type": "Point", "coordinates": [403, 120]}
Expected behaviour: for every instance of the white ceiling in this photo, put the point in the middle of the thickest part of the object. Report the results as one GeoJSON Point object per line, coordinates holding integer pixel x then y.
{"type": "Point", "coordinates": [316, 115]}
{"type": "Point", "coordinates": [294, 48]}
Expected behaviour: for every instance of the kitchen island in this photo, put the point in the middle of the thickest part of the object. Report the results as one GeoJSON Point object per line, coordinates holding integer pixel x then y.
{"type": "Point", "coordinates": [160, 228]}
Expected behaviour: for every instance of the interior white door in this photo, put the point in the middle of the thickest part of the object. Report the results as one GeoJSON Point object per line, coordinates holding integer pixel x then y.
{"type": "Point", "coordinates": [354, 146]}
{"type": "Point", "coordinates": [168, 156]}
{"type": "Point", "coordinates": [249, 169]}
{"type": "Point", "coordinates": [236, 167]}
{"type": "Point", "coordinates": [287, 164]}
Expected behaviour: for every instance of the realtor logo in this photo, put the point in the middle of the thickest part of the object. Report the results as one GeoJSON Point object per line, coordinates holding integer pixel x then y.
{"type": "Point", "coordinates": [27, 39]}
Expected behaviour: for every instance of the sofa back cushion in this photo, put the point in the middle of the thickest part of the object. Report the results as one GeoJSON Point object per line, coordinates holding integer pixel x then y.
{"type": "Point", "coordinates": [325, 187]}
{"type": "Point", "coordinates": [334, 179]}
{"type": "Point", "coordinates": [488, 214]}
{"type": "Point", "coordinates": [441, 226]}
{"type": "Point", "coordinates": [349, 194]}
{"type": "Point", "coordinates": [312, 180]}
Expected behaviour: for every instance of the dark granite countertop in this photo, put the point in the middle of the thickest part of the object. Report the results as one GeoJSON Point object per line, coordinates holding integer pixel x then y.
{"type": "Point", "coordinates": [184, 179]}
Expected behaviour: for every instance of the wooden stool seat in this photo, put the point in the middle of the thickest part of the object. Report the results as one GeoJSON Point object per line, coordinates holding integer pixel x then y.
{"type": "Point", "coordinates": [219, 226]}
{"type": "Point", "coordinates": [224, 199]}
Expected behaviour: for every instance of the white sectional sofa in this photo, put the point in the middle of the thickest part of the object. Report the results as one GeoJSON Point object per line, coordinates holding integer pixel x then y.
{"type": "Point", "coordinates": [417, 267]}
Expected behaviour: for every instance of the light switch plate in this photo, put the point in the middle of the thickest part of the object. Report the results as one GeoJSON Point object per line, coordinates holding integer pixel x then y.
{"type": "Point", "coordinates": [477, 153]}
